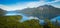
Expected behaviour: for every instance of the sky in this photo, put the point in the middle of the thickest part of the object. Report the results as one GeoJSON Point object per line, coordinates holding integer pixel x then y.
{"type": "Point", "coordinates": [11, 5]}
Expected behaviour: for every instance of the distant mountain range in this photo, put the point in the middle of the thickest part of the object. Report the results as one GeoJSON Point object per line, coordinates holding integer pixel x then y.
{"type": "Point", "coordinates": [42, 12]}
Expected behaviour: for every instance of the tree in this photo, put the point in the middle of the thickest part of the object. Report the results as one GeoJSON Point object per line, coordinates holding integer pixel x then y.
{"type": "Point", "coordinates": [49, 24]}
{"type": "Point", "coordinates": [46, 23]}
{"type": "Point", "coordinates": [9, 22]}
{"type": "Point", "coordinates": [56, 23]}
{"type": "Point", "coordinates": [32, 24]}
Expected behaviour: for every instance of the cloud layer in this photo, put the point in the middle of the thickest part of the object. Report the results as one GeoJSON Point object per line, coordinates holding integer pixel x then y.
{"type": "Point", "coordinates": [19, 6]}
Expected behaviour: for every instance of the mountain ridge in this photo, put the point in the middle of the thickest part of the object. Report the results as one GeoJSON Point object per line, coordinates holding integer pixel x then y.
{"type": "Point", "coordinates": [45, 11]}
{"type": "Point", "coordinates": [42, 12]}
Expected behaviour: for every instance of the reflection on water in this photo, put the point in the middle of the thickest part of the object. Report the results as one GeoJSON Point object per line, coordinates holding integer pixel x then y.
{"type": "Point", "coordinates": [25, 17]}
{"type": "Point", "coordinates": [56, 18]}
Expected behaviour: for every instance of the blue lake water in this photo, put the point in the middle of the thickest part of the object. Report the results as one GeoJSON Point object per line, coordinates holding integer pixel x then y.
{"type": "Point", "coordinates": [13, 13]}
{"type": "Point", "coordinates": [25, 17]}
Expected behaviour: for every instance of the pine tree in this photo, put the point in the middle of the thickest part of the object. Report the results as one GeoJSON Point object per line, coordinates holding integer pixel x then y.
{"type": "Point", "coordinates": [56, 23]}
{"type": "Point", "coordinates": [46, 23]}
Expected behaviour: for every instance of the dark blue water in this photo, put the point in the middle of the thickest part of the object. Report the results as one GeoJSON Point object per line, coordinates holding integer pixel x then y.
{"type": "Point", "coordinates": [25, 17]}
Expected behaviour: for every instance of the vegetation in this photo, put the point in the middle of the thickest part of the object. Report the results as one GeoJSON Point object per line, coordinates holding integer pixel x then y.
{"type": "Point", "coordinates": [31, 24]}
{"type": "Point", "coordinates": [14, 22]}
{"type": "Point", "coordinates": [9, 21]}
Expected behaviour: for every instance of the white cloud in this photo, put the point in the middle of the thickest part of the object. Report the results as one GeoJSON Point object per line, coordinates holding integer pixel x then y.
{"type": "Point", "coordinates": [11, 8]}
{"type": "Point", "coordinates": [54, 1]}
{"type": "Point", "coordinates": [35, 4]}
{"type": "Point", "coordinates": [19, 6]}
{"type": "Point", "coordinates": [42, 2]}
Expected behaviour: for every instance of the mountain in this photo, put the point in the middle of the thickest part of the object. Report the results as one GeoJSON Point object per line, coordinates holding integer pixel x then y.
{"type": "Point", "coordinates": [2, 12]}
{"type": "Point", "coordinates": [42, 12]}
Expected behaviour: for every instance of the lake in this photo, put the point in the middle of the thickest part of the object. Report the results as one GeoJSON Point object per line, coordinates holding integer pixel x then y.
{"type": "Point", "coordinates": [25, 17]}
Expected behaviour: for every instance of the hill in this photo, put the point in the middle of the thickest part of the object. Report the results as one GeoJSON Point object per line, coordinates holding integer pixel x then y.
{"type": "Point", "coordinates": [42, 12]}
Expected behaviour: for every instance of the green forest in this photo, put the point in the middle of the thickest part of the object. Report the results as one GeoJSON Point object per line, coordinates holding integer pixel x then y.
{"type": "Point", "coordinates": [13, 22]}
